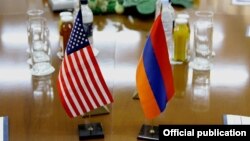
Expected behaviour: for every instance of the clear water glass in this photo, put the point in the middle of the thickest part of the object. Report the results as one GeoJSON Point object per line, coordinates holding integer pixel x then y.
{"type": "Point", "coordinates": [203, 40]}
{"type": "Point", "coordinates": [32, 13]}
{"type": "Point", "coordinates": [37, 31]}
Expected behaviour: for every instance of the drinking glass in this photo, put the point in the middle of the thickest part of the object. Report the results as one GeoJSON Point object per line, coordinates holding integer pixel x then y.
{"type": "Point", "coordinates": [32, 13]}
{"type": "Point", "coordinates": [41, 58]}
{"type": "Point", "coordinates": [203, 43]}
{"type": "Point", "coordinates": [37, 31]}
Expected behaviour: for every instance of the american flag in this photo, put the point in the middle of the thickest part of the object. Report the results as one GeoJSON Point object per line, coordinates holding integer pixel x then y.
{"type": "Point", "coordinates": [81, 85]}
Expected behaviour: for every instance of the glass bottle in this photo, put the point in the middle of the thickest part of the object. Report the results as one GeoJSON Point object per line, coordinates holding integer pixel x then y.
{"type": "Point", "coordinates": [186, 16]}
{"type": "Point", "coordinates": [65, 30]}
{"type": "Point", "coordinates": [181, 35]}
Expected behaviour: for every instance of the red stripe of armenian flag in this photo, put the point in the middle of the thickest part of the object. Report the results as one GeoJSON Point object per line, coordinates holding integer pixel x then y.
{"type": "Point", "coordinates": [154, 77]}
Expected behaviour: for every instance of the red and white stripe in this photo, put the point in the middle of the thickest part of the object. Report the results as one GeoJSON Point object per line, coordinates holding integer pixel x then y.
{"type": "Point", "coordinates": [81, 85]}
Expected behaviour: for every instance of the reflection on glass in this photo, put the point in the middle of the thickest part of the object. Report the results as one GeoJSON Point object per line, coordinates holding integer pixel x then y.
{"type": "Point", "coordinates": [43, 95]}
{"type": "Point", "coordinates": [200, 90]}
{"type": "Point", "coordinates": [180, 73]}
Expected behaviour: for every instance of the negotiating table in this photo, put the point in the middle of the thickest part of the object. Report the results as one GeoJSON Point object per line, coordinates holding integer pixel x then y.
{"type": "Point", "coordinates": [33, 106]}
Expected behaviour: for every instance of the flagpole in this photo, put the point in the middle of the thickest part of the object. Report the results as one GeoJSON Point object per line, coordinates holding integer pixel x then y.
{"type": "Point", "coordinates": [152, 130]}
{"type": "Point", "coordinates": [90, 128]}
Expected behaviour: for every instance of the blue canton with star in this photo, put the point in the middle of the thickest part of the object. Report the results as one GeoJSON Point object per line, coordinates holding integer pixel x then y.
{"type": "Point", "coordinates": [78, 37]}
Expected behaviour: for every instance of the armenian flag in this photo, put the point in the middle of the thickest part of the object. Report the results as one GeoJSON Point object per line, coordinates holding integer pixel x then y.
{"type": "Point", "coordinates": [154, 78]}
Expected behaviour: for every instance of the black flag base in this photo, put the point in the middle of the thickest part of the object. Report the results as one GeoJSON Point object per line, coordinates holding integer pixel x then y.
{"type": "Point", "coordinates": [149, 132]}
{"type": "Point", "coordinates": [90, 131]}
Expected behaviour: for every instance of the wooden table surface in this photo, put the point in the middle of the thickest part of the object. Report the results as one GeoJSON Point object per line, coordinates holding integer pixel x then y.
{"type": "Point", "coordinates": [32, 103]}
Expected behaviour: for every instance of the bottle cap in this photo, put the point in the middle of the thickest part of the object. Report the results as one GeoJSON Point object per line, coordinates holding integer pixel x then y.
{"type": "Point", "coordinates": [183, 15]}
{"type": "Point", "coordinates": [65, 13]}
{"type": "Point", "coordinates": [84, 1]}
{"type": "Point", "coordinates": [181, 21]}
{"type": "Point", "coordinates": [67, 19]}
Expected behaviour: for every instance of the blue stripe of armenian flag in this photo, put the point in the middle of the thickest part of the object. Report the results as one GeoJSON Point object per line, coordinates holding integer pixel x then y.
{"type": "Point", "coordinates": [154, 79]}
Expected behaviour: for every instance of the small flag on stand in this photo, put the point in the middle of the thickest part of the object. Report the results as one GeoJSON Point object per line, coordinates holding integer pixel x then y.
{"type": "Point", "coordinates": [81, 85]}
{"type": "Point", "coordinates": [154, 78]}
